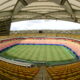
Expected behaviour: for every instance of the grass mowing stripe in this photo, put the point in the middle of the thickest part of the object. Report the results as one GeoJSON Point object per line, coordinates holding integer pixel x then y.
{"type": "Point", "coordinates": [18, 52]}
{"type": "Point", "coordinates": [33, 53]}
{"type": "Point", "coordinates": [29, 52]}
{"type": "Point", "coordinates": [46, 53]}
{"type": "Point", "coordinates": [49, 56]}
{"type": "Point", "coordinates": [43, 53]}
{"type": "Point", "coordinates": [64, 54]}
{"type": "Point", "coordinates": [61, 53]}
{"type": "Point", "coordinates": [73, 55]}
{"type": "Point", "coordinates": [15, 50]}
{"type": "Point", "coordinates": [40, 54]}
{"type": "Point", "coordinates": [52, 53]}
{"type": "Point", "coordinates": [36, 55]}
{"type": "Point", "coordinates": [10, 54]}
{"type": "Point", "coordinates": [69, 53]}
{"type": "Point", "coordinates": [57, 53]}
{"type": "Point", "coordinates": [36, 52]}
{"type": "Point", "coordinates": [11, 51]}
{"type": "Point", "coordinates": [24, 51]}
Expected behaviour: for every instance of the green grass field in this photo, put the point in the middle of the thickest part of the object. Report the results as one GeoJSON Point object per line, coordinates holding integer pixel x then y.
{"type": "Point", "coordinates": [39, 53]}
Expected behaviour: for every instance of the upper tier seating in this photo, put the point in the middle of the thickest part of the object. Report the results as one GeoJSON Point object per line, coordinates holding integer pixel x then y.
{"type": "Point", "coordinates": [68, 35]}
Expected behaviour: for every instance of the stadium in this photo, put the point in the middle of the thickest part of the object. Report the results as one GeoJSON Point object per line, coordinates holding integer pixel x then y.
{"type": "Point", "coordinates": [39, 54]}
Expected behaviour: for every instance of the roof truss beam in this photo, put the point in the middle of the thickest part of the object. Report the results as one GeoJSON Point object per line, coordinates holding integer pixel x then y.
{"type": "Point", "coordinates": [20, 4]}
{"type": "Point", "coordinates": [5, 13]}
{"type": "Point", "coordinates": [5, 2]}
{"type": "Point", "coordinates": [63, 2]}
{"type": "Point", "coordinates": [69, 9]}
{"type": "Point", "coordinates": [7, 7]}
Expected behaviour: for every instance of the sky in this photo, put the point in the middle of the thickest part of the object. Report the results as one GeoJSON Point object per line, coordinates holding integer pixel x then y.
{"type": "Point", "coordinates": [44, 25]}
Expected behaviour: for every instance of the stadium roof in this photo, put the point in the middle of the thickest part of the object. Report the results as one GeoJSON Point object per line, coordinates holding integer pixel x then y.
{"type": "Point", "coordinates": [17, 10]}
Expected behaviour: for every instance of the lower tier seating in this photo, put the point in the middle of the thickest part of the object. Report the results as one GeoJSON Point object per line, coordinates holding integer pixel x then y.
{"type": "Point", "coordinates": [65, 72]}
{"type": "Point", "coordinates": [10, 71]}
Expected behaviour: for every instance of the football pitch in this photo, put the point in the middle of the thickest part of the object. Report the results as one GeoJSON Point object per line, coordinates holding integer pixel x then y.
{"type": "Point", "coordinates": [39, 53]}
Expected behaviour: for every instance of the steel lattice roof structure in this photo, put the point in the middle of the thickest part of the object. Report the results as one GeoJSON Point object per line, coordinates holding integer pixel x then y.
{"type": "Point", "coordinates": [18, 10]}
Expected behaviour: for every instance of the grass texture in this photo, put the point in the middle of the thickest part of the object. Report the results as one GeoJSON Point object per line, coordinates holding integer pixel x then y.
{"type": "Point", "coordinates": [39, 53]}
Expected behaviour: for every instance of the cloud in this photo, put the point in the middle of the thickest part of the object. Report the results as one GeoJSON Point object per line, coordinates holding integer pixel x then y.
{"type": "Point", "coordinates": [44, 24]}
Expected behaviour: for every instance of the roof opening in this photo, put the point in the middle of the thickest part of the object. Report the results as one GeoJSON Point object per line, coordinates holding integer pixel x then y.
{"type": "Point", "coordinates": [44, 25]}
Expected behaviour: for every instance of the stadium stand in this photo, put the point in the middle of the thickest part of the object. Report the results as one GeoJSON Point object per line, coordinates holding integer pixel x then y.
{"type": "Point", "coordinates": [10, 71]}
{"type": "Point", "coordinates": [71, 43]}
{"type": "Point", "coordinates": [65, 72]}
{"type": "Point", "coordinates": [46, 33]}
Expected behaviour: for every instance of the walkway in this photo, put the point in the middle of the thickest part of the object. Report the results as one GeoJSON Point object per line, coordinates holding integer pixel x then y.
{"type": "Point", "coordinates": [43, 74]}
